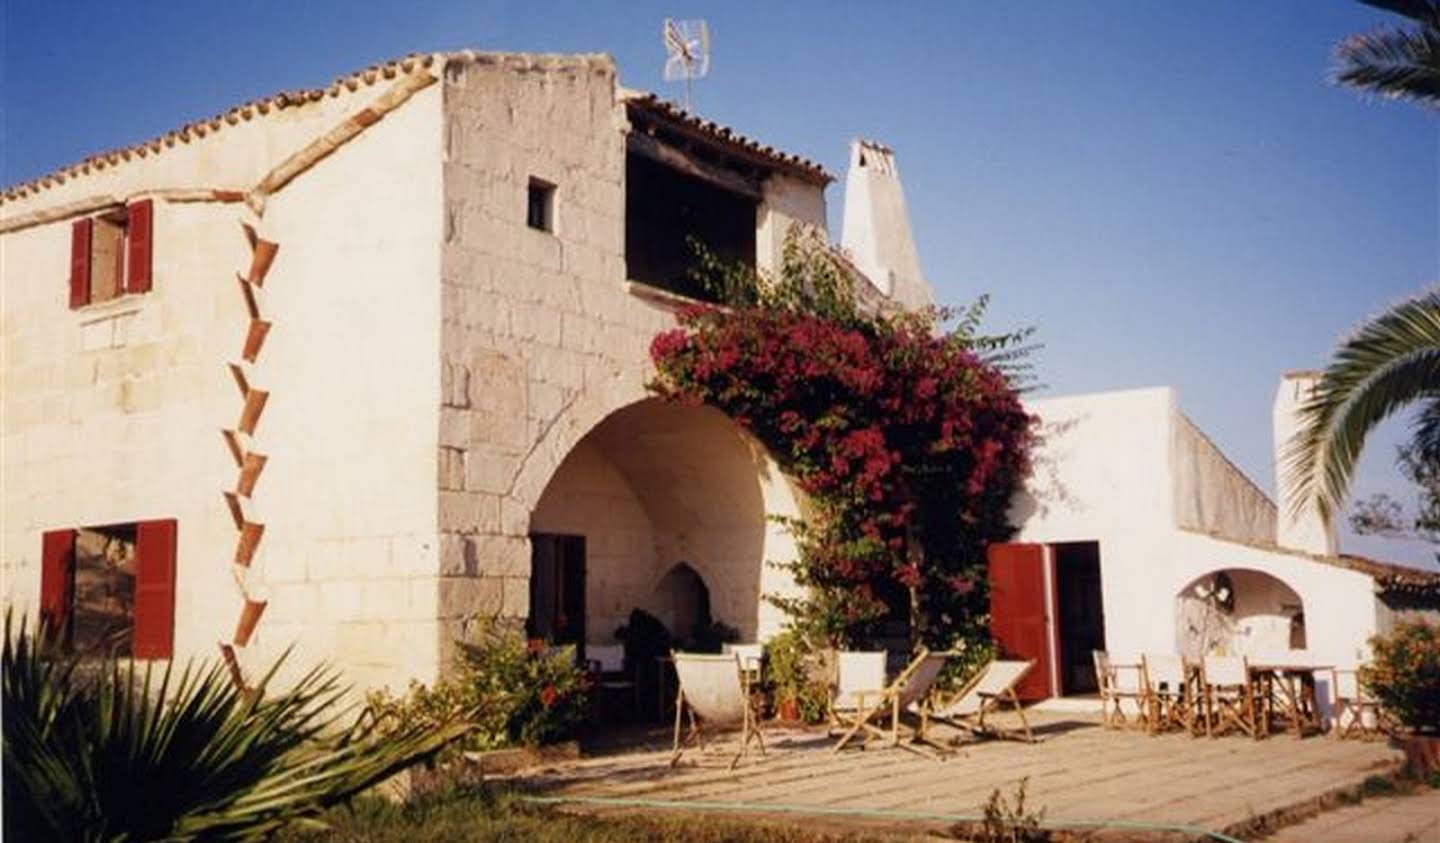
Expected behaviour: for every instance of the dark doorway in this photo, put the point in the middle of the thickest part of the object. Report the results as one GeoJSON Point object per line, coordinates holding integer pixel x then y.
{"type": "Point", "coordinates": [1081, 614]}
{"type": "Point", "coordinates": [684, 599]}
{"type": "Point", "coordinates": [557, 589]}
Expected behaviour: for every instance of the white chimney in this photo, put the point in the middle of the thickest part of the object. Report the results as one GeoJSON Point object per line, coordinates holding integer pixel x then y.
{"type": "Point", "coordinates": [876, 228]}
{"type": "Point", "coordinates": [1306, 530]}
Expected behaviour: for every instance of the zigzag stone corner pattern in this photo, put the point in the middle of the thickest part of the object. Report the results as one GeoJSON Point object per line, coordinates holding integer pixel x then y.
{"type": "Point", "coordinates": [240, 442]}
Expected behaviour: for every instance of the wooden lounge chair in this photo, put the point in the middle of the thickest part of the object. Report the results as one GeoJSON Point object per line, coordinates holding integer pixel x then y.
{"type": "Point", "coordinates": [987, 692]}
{"type": "Point", "coordinates": [714, 693]}
{"type": "Point", "coordinates": [1118, 683]}
{"type": "Point", "coordinates": [910, 688]}
{"type": "Point", "coordinates": [1230, 697]}
{"type": "Point", "coordinates": [1170, 695]}
{"type": "Point", "coordinates": [859, 682]}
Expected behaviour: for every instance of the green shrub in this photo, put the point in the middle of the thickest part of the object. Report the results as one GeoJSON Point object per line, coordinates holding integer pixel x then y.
{"type": "Point", "coordinates": [106, 751]}
{"type": "Point", "coordinates": [512, 692]}
{"type": "Point", "coordinates": [1404, 675]}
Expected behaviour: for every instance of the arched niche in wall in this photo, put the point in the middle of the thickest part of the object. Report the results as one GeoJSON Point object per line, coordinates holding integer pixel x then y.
{"type": "Point", "coordinates": [682, 601]}
{"type": "Point", "coordinates": [1239, 612]}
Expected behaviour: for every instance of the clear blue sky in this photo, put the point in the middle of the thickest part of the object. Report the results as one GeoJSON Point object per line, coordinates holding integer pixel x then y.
{"type": "Point", "coordinates": [1171, 192]}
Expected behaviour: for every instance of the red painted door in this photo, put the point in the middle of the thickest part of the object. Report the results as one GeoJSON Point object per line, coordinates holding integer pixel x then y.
{"type": "Point", "coordinates": [1019, 612]}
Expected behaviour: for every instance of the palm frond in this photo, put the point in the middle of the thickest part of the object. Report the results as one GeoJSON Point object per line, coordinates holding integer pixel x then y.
{"type": "Point", "coordinates": [1392, 361]}
{"type": "Point", "coordinates": [1395, 62]}
{"type": "Point", "coordinates": [1425, 433]}
{"type": "Point", "coordinates": [1420, 10]}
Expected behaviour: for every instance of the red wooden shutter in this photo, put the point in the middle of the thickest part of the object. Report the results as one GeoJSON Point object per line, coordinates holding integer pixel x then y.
{"type": "Point", "coordinates": [139, 236]}
{"type": "Point", "coordinates": [154, 590]}
{"type": "Point", "coordinates": [80, 232]}
{"type": "Point", "coordinates": [1019, 612]}
{"type": "Point", "coordinates": [57, 581]}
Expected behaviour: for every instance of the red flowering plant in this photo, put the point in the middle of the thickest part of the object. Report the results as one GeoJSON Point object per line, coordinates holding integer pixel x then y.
{"type": "Point", "coordinates": [904, 430]}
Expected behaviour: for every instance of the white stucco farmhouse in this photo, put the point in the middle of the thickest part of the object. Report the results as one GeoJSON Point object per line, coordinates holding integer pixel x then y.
{"type": "Point", "coordinates": [1137, 535]}
{"type": "Point", "coordinates": [351, 368]}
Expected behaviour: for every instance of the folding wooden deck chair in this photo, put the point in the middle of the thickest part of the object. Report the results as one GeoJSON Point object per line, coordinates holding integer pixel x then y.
{"type": "Point", "coordinates": [986, 692]}
{"type": "Point", "coordinates": [1171, 699]}
{"type": "Point", "coordinates": [1231, 699]}
{"type": "Point", "coordinates": [1356, 713]}
{"type": "Point", "coordinates": [908, 690]}
{"type": "Point", "coordinates": [1118, 684]}
{"type": "Point", "coordinates": [859, 683]}
{"type": "Point", "coordinates": [714, 693]}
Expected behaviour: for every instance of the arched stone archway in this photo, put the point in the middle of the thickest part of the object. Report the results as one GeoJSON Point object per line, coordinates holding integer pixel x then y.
{"type": "Point", "coordinates": [1238, 611]}
{"type": "Point", "coordinates": [653, 485]}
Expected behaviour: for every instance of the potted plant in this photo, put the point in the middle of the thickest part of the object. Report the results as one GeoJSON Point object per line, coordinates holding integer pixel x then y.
{"type": "Point", "coordinates": [790, 677]}
{"type": "Point", "coordinates": [1404, 677]}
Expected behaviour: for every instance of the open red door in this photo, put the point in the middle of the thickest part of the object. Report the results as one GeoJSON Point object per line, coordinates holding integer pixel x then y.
{"type": "Point", "coordinates": [1019, 612]}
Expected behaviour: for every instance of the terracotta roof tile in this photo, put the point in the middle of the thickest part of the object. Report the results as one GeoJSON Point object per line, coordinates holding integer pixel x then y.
{"type": "Point", "coordinates": [652, 105]}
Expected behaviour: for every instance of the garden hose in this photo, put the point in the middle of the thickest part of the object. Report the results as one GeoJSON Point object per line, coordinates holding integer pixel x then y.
{"type": "Point", "coordinates": [870, 813]}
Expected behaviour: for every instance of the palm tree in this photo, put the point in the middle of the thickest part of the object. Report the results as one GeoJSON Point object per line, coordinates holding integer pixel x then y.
{"type": "Point", "coordinates": [1396, 62]}
{"type": "Point", "coordinates": [1391, 362]}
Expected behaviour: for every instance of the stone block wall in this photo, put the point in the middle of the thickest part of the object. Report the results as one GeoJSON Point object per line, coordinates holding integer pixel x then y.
{"type": "Point", "coordinates": [542, 338]}
{"type": "Point", "coordinates": [113, 411]}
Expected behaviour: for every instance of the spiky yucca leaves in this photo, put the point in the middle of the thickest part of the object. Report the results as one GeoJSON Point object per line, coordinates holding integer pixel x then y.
{"type": "Point", "coordinates": [106, 751]}
{"type": "Point", "coordinates": [1396, 62]}
{"type": "Point", "coordinates": [1391, 361]}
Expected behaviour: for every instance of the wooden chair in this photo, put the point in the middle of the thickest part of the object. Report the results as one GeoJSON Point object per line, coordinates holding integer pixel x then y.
{"type": "Point", "coordinates": [859, 681]}
{"type": "Point", "coordinates": [1366, 718]}
{"type": "Point", "coordinates": [609, 675]}
{"type": "Point", "coordinates": [1230, 697]}
{"type": "Point", "coordinates": [751, 657]}
{"type": "Point", "coordinates": [714, 693]}
{"type": "Point", "coordinates": [910, 688]}
{"type": "Point", "coordinates": [1170, 695]}
{"type": "Point", "coordinates": [1117, 685]}
{"type": "Point", "coordinates": [992, 688]}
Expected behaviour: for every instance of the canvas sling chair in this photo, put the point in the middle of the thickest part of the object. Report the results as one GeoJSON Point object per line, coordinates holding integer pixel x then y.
{"type": "Point", "coordinates": [1170, 697]}
{"type": "Point", "coordinates": [859, 682]}
{"type": "Point", "coordinates": [1118, 683]}
{"type": "Point", "coordinates": [1355, 712]}
{"type": "Point", "coordinates": [990, 689]}
{"type": "Point", "coordinates": [880, 718]}
{"type": "Point", "coordinates": [1231, 697]}
{"type": "Point", "coordinates": [714, 695]}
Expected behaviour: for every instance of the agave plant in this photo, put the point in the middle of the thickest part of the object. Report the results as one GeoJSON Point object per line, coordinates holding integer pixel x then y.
{"type": "Point", "coordinates": [1396, 62]}
{"type": "Point", "coordinates": [108, 751]}
{"type": "Point", "coordinates": [1391, 362]}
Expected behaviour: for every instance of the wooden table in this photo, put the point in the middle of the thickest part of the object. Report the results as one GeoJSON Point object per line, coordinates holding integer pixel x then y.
{"type": "Point", "coordinates": [1287, 692]}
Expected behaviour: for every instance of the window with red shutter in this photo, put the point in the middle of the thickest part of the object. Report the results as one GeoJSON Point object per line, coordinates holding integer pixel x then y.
{"type": "Point", "coordinates": [139, 238]}
{"type": "Point", "coordinates": [154, 635]}
{"type": "Point", "coordinates": [80, 263]}
{"type": "Point", "coordinates": [57, 582]}
{"type": "Point", "coordinates": [111, 589]}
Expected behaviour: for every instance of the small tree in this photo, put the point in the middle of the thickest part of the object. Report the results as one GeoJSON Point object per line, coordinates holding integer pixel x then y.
{"type": "Point", "coordinates": [908, 438]}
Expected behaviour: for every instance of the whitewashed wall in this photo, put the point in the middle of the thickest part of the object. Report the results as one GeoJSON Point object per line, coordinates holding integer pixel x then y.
{"type": "Point", "coordinates": [1108, 471]}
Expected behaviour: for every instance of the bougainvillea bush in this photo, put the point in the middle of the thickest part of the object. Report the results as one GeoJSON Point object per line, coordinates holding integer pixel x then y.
{"type": "Point", "coordinates": [907, 438]}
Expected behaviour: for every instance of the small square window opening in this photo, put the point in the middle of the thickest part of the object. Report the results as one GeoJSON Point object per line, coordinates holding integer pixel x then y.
{"type": "Point", "coordinates": [540, 205]}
